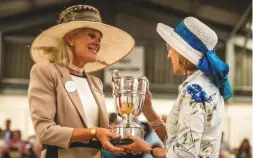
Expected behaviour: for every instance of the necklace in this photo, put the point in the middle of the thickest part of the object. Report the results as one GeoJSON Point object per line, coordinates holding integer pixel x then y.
{"type": "Point", "coordinates": [75, 68]}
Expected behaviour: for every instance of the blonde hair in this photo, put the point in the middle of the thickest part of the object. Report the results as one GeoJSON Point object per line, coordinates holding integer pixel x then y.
{"type": "Point", "coordinates": [62, 54]}
{"type": "Point", "coordinates": [185, 63]}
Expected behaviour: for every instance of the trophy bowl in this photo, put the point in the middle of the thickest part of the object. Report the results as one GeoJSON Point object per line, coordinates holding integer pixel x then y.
{"type": "Point", "coordinates": [129, 96]}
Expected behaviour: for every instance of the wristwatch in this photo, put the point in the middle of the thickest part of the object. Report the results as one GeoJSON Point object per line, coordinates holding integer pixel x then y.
{"type": "Point", "coordinates": [151, 151]}
{"type": "Point", "coordinates": [93, 131]}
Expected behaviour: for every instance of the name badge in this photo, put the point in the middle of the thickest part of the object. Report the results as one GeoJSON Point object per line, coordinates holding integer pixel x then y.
{"type": "Point", "coordinates": [70, 86]}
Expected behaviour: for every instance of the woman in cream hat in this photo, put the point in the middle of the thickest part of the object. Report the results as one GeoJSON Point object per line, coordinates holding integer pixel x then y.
{"type": "Point", "coordinates": [67, 105]}
{"type": "Point", "coordinates": [194, 125]}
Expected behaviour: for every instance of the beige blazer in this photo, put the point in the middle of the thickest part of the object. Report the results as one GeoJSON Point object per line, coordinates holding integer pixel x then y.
{"type": "Point", "coordinates": [55, 112]}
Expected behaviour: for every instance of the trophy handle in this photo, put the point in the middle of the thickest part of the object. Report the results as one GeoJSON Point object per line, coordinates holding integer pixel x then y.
{"type": "Point", "coordinates": [114, 76]}
{"type": "Point", "coordinates": [147, 87]}
{"type": "Point", "coordinates": [146, 79]}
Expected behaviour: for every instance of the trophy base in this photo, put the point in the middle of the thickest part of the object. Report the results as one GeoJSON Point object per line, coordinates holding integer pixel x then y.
{"type": "Point", "coordinates": [122, 131]}
{"type": "Point", "coordinates": [121, 141]}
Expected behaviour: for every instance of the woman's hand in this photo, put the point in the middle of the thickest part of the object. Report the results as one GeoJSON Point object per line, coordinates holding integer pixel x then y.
{"type": "Point", "coordinates": [104, 136]}
{"type": "Point", "coordinates": [138, 146]}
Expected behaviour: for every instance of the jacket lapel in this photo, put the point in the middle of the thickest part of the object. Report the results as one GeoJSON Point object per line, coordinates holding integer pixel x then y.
{"type": "Point", "coordinates": [72, 95]}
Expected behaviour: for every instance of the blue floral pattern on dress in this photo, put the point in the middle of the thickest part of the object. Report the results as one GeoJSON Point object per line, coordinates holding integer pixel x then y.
{"type": "Point", "coordinates": [198, 94]}
{"type": "Point", "coordinates": [189, 134]}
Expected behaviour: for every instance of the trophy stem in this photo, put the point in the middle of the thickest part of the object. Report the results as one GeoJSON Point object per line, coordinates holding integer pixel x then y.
{"type": "Point", "coordinates": [128, 121]}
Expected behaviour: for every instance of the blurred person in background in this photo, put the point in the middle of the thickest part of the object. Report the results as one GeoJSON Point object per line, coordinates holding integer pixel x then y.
{"type": "Point", "coordinates": [223, 154]}
{"type": "Point", "coordinates": [35, 150]}
{"type": "Point", "coordinates": [7, 131]}
{"type": "Point", "coordinates": [31, 140]}
{"type": "Point", "coordinates": [67, 105]}
{"type": "Point", "coordinates": [15, 147]}
{"type": "Point", "coordinates": [224, 147]}
{"type": "Point", "coordinates": [224, 144]}
{"type": "Point", "coordinates": [244, 150]}
{"type": "Point", "coordinates": [34, 147]}
{"type": "Point", "coordinates": [113, 120]}
{"type": "Point", "coordinates": [1, 134]}
{"type": "Point", "coordinates": [194, 125]}
{"type": "Point", "coordinates": [2, 142]}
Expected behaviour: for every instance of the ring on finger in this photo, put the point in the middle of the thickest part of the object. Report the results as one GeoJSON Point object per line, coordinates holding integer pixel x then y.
{"type": "Point", "coordinates": [134, 153]}
{"type": "Point", "coordinates": [128, 151]}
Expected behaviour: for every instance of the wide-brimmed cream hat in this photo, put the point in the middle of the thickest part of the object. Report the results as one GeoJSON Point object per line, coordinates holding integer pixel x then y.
{"type": "Point", "coordinates": [115, 43]}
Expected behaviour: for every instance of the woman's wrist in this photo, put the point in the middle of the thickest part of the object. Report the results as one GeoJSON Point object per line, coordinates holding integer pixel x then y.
{"type": "Point", "coordinates": [157, 151]}
{"type": "Point", "coordinates": [81, 135]}
{"type": "Point", "coordinates": [98, 132]}
{"type": "Point", "coordinates": [93, 132]}
{"type": "Point", "coordinates": [147, 148]}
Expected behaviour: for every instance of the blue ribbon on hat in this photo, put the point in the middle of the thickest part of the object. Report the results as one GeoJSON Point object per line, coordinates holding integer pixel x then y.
{"type": "Point", "coordinates": [210, 63]}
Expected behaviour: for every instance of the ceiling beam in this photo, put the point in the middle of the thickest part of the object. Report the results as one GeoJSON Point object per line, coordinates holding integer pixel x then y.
{"type": "Point", "coordinates": [207, 12]}
{"type": "Point", "coordinates": [218, 15]}
{"type": "Point", "coordinates": [241, 21]}
{"type": "Point", "coordinates": [42, 14]}
{"type": "Point", "coordinates": [10, 8]}
{"type": "Point", "coordinates": [152, 17]}
{"type": "Point", "coordinates": [194, 7]}
{"type": "Point", "coordinates": [27, 23]}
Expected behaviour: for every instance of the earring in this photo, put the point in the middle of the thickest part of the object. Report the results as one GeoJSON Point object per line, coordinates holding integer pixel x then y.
{"type": "Point", "coordinates": [71, 44]}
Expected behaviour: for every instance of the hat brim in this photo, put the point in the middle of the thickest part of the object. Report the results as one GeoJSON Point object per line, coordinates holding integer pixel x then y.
{"type": "Point", "coordinates": [179, 44]}
{"type": "Point", "coordinates": [115, 44]}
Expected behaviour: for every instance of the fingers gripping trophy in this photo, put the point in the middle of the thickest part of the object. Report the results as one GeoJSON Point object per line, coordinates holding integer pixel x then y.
{"type": "Point", "coordinates": [129, 96]}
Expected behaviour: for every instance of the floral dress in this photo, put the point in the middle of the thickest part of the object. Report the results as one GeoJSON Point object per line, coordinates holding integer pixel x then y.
{"type": "Point", "coordinates": [194, 125]}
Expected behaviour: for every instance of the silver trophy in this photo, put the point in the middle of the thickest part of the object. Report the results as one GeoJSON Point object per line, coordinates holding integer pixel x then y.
{"type": "Point", "coordinates": [129, 96]}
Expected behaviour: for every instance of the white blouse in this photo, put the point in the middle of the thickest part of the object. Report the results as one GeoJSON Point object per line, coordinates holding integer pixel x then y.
{"type": "Point", "coordinates": [194, 125]}
{"type": "Point", "coordinates": [88, 101]}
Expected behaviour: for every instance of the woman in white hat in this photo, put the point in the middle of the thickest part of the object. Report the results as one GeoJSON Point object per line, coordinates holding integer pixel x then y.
{"type": "Point", "coordinates": [194, 125]}
{"type": "Point", "coordinates": [67, 105]}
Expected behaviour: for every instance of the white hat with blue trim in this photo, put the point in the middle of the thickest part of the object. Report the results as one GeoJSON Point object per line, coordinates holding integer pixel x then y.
{"type": "Point", "coordinates": [179, 39]}
{"type": "Point", "coordinates": [196, 41]}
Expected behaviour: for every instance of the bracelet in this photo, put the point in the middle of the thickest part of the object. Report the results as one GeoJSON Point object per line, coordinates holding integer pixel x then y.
{"type": "Point", "coordinates": [157, 126]}
{"type": "Point", "coordinates": [156, 123]}
{"type": "Point", "coordinates": [151, 151]}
